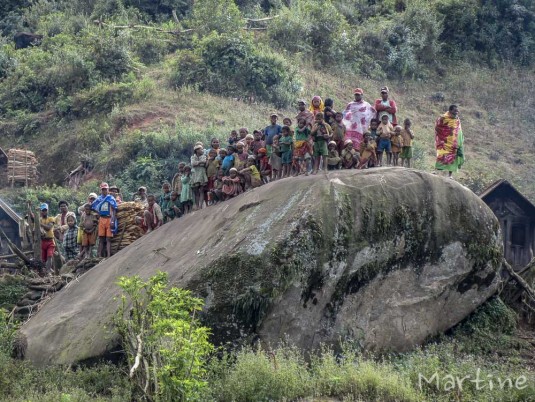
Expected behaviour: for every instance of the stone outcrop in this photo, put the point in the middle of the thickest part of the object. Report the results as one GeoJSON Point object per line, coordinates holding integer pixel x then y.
{"type": "Point", "coordinates": [386, 258]}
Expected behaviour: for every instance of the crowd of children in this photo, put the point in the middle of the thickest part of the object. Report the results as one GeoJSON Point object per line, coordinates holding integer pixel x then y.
{"type": "Point", "coordinates": [322, 139]}
{"type": "Point", "coordinates": [319, 140]}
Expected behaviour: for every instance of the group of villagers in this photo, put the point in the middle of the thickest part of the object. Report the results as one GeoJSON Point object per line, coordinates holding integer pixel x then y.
{"type": "Point", "coordinates": [321, 139]}
{"type": "Point", "coordinates": [318, 138]}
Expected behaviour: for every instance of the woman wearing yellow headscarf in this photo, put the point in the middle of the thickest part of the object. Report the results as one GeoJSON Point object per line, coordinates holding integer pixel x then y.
{"type": "Point", "coordinates": [316, 105]}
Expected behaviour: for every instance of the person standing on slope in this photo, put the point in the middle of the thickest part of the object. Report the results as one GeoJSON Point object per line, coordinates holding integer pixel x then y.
{"type": "Point", "coordinates": [449, 141]}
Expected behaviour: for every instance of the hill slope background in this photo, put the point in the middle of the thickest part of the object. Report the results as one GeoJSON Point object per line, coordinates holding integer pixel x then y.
{"type": "Point", "coordinates": [129, 87]}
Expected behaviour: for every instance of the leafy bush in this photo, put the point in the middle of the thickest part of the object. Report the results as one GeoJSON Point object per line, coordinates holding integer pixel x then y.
{"type": "Point", "coordinates": [489, 31]}
{"type": "Point", "coordinates": [12, 288]}
{"type": "Point", "coordinates": [221, 16]}
{"type": "Point", "coordinates": [110, 53]}
{"type": "Point", "coordinates": [100, 98]}
{"type": "Point", "coordinates": [232, 65]}
{"type": "Point", "coordinates": [161, 9]}
{"type": "Point", "coordinates": [164, 342]}
{"type": "Point", "coordinates": [490, 329]}
{"type": "Point", "coordinates": [316, 29]}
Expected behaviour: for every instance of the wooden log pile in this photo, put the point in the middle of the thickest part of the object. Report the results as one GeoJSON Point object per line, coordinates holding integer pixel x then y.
{"type": "Point", "coordinates": [40, 289]}
{"type": "Point", "coordinates": [21, 167]}
{"type": "Point", "coordinates": [128, 231]}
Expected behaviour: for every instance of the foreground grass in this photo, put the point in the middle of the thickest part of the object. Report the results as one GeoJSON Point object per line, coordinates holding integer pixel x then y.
{"type": "Point", "coordinates": [483, 347]}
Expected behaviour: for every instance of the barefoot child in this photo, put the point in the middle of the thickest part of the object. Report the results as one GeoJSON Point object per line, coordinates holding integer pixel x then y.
{"type": "Point", "coordinates": [339, 131]}
{"type": "Point", "coordinates": [397, 144]}
{"type": "Point", "coordinates": [186, 196]}
{"type": "Point", "coordinates": [385, 131]}
{"type": "Point", "coordinates": [263, 164]}
{"type": "Point", "coordinates": [89, 224]}
{"type": "Point", "coordinates": [217, 191]}
{"type": "Point", "coordinates": [212, 168]}
{"type": "Point", "coordinates": [106, 207]}
{"type": "Point", "coordinates": [275, 160]}
{"type": "Point", "coordinates": [350, 157]}
{"type": "Point", "coordinates": [70, 248]}
{"type": "Point", "coordinates": [286, 146]}
{"type": "Point", "coordinates": [302, 148]}
{"type": "Point", "coordinates": [251, 174]}
{"type": "Point", "coordinates": [321, 133]}
{"type": "Point", "coordinates": [334, 161]}
{"type": "Point", "coordinates": [176, 183]}
{"type": "Point", "coordinates": [173, 208]}
{"type": "Point", "coordinates": [228, 159]}
{"type": "Point", "coordinates": [231, 184]}
{"type": "Point", "coordinates": [368, 156]}
{"type": "Point", "coordinates": [408, 136]}
{"type": "Point", "coordinates": [198, 175]}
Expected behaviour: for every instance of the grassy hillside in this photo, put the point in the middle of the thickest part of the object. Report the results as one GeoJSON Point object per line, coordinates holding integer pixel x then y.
{"type": "Point", "coordinates": [129, 87]}
{"type": "Point", "coordinates": [165, 122]}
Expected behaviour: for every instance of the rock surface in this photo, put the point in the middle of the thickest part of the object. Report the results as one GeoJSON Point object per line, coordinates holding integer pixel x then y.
{"type": "Point", "coordinates": [385, 257]}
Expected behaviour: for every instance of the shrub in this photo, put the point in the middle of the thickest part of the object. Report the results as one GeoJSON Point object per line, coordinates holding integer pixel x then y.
{"type": "Point", "coordinates": [316, 29]}
{"type": "Point", "coordinates": [221, 16]}
{"type": "Point", "coordinates": [232, 65]}
{"type": "Point", "coordinates": [490, 330]}
{"type": "Point", "coordinates": [164, 342]}
{"type": "Point", "coordinates": [489, 31]}
{"type": "Point", "coordinates": [12, 288]}
{"type": "Point", "coordinates": [100, 98]}
{"type": "Point", "coordinates": [161, 9]}
{"type": "Point", "coordinates": [110, 53]}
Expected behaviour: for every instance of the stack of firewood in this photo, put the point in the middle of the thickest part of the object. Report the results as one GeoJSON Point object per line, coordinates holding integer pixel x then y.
{"type": "Point", "coordinates": [41, 289]}
{"type": "Point", "coordinates": [21, 167]}
{"type": "Point", "coordinates": [128, 231]}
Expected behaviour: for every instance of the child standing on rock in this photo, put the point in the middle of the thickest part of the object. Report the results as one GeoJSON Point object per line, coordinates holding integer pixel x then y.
{"type": "Point", "coordinates": [186, 196]}
{"type": "Point", "coordinates": [408, 136]}
{"type": "Point", "coordinates": [198, 175]}
{"type": "Point", "coordinates": [286, 144]}
{"type": "Point", "coordinates": [89, 224]}
{"type": "Point", "coordinates": [321, 133]}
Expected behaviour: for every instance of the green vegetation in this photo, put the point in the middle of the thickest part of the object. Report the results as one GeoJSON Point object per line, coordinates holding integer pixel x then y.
{"type": "Point", "coordinates": [133, 100]}
{"type": "Point", "coordinates": [164, 343]}
{"type": "Point", "coordinates": [127, 86]}
{"type": "Point", "coordinates": [178, 363]}
{"type": "Point", "coordinates": [12, 288]}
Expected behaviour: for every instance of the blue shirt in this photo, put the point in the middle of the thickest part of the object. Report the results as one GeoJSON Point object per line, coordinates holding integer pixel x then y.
{"type": "Point", "coordinates": [270, 132]}
{"type": "Point", "coordinates": [103, 205]}
{"type": "Point", "coordinates": [228, 162]}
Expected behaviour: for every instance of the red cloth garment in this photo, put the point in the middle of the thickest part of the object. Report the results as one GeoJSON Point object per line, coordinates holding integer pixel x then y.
{"type": "Point", "coordinates": [379, 107]}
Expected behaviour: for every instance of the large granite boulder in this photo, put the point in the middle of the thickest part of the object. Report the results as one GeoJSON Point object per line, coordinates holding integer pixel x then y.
{"type": "Point", "coordinates": [386, 258]}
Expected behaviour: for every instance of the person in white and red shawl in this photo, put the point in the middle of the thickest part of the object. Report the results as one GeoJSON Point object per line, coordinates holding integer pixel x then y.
{"type": "Point", "coordinates": [386, 106]}
{"type": "Point", "coordinates": [357, 116]}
